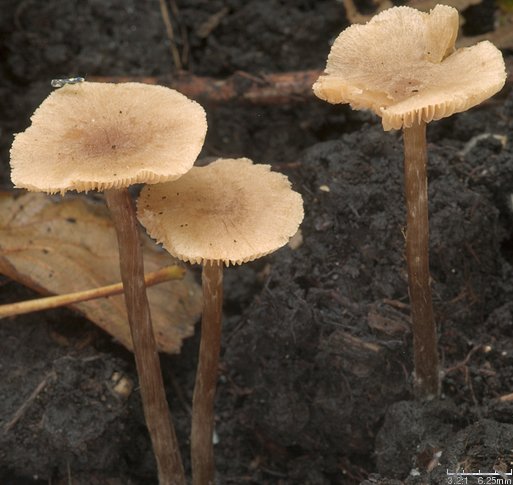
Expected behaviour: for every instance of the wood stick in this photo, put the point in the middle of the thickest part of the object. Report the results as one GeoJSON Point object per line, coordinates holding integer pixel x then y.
{"type": "Point", "coordinates": [276, 88]}
{"type": "Point", "coordinates": [46, 303]}
{"type": "Point", "coordinates": [23, 408]}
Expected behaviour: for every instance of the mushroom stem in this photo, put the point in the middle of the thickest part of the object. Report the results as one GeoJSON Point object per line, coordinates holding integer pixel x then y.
{"type": "Point", "coordinates": [156, 409]}
{"type": "Point", "coordinates": [426, 372]}
{"type": "Point", "coordinates": [202, 448]}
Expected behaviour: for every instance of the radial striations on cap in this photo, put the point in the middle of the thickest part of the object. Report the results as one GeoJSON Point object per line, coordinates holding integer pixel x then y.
{"type": "Point", "coordinates": [98, 136]}
{"type": "Point", "coordinates": [403, 66]}
{"type": "Point", "coordinates": [230, 211]}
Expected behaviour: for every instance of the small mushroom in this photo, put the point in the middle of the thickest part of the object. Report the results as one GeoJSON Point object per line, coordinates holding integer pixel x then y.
{"type": "Point", "coordinates": [228, 212]}
{"type": "Point", "coordinates": [102, 136]}
{"type": "Point", "coordinates": [403, 66]}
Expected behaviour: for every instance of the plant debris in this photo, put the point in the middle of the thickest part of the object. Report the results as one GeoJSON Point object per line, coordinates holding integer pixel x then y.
{"type": "Point", "coordinates": [56, 247]}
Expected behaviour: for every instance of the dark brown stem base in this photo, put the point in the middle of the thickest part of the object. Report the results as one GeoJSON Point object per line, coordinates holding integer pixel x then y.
{"type": "Point", "coordinates": [156, 410]}
{"type": "Point", "coordinates": [426, 377]}
{"type": "Point", "coordinates": [202, 448]}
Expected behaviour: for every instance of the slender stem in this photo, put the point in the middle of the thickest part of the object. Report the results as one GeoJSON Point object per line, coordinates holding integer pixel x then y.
{"type": "Point", "coordinates": [156, 409]}
{"type": "Point", "coordinates": [45, 303]}
{"type": "Point", "coordinates": [426, 377]}
{"type": "Point", "coordinates": [202, 448]}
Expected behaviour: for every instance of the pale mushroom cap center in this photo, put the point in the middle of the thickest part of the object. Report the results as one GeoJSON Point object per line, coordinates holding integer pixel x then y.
{"type": "Point", "coordinates": [230, 205]}
{"type": "Point", "coordinates": [101, 137]}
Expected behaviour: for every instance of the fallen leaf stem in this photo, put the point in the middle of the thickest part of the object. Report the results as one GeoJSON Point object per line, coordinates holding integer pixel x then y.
{"type": "Point", "coordinates": [155, 406]}
{"type": "Point", "coordinates": [425, 353]}
{"type": "Point", "coordinates": [46, 303]}
{"type": "Point", "coordinates": [202, 448]}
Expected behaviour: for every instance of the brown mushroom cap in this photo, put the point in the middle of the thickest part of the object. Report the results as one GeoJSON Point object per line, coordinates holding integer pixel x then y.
{"type": "Point", "coordinates": [97, 136]}
{"type": "Point", "coordinates": [230, 211]}
{"type": "Point", "coordinates": [402, 65]}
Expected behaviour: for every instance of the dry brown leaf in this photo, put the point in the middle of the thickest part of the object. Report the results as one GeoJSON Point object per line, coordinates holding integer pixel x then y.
{"type": "Point", "coordinates": [57, 246]}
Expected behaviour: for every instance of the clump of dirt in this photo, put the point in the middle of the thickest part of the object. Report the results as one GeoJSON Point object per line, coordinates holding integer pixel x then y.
{"type": "Point", "coordinates": [412, 434]}
{"type": "Point", "coordinates": [320, 381]}
{"type": "Point", "coordinates": [64, 404]}
{"type": "Point", "coordinates": [425, 446]}
{"type": "Point", "coordinates": [260, 36]}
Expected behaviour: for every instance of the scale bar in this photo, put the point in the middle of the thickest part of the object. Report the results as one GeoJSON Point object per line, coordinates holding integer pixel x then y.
{"type": "Point", "coordinates": [479, 473]}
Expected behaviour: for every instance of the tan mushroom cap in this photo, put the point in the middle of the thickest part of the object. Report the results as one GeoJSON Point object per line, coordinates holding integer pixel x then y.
{"type": "Point", "coordinates": [230, 211]}
{"type": "Point", "coordinates": [97, 136]}
{"type": "Point", "coordinates": [402, 65]}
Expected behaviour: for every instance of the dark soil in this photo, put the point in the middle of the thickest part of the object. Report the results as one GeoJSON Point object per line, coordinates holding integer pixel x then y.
{"type": "Point", "coordinates": [315, 383]}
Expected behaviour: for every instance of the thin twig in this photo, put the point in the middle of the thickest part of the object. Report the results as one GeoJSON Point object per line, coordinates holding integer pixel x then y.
{"type": "Point", "coordinates": [20, 9]}
{"type": "Point", "coordinates": [23, 408]}
{"type": "Point", "coordinates": [276, 88]}
{"type": "Point", "coordinates": [461, 365]}
{"type": "Point", "coordinates": [506, 397]}
{"type": "Point", "coordinates": [170, 34]}
{"type": "Point", "coordinates": [396, 304]}
{"type": "Point", "coordinates": [273, 88]}
{"type": "Point", "coordinates": [19, 308]}
{"type": "Point", "coordinates": [183, 34]}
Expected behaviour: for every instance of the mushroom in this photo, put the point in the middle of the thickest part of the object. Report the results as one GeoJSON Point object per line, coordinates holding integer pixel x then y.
{"type": "Point", "coordinates": [403, 66]}
{"type": "Point", "coordinates": [101, 136]}
{"type": "Point", "coordinates": [228, 212]}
